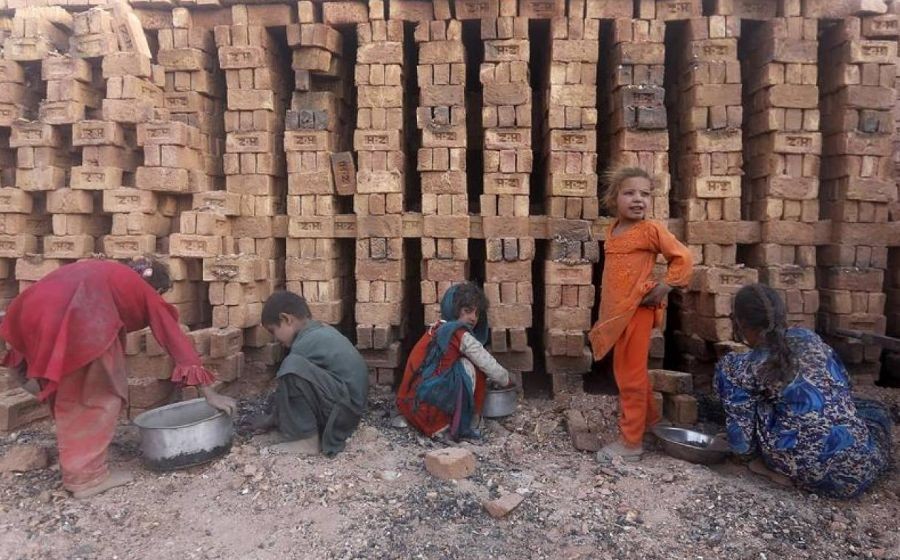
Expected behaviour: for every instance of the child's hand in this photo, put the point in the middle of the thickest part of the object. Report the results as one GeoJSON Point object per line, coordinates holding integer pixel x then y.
{"type": "Point", "coordinates": [220, 402]}
{"type": "Point", "coordinates": [656, 296]}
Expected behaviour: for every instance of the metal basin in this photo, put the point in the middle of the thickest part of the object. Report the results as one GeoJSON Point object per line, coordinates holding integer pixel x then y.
{"type": "Point", "coordinates": [183, 434]}
{"type": "Point", "coordinates": [500, 402]}
{"type": "Point", "coordinates": [688, 445]}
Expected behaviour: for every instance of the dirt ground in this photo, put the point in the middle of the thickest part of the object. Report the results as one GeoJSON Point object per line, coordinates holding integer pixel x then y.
{"type": "Point", "coordinates": [376, 501]}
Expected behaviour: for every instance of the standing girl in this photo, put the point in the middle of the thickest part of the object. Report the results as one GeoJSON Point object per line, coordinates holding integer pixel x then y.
{"type": "Point", "coordinates": [67, 332]}
{"type": "Point", "coordinates": [632, 302]}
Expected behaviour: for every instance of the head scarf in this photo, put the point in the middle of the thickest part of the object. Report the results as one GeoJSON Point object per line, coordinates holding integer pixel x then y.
{"type": "Point", "coordinates": [450, 390]}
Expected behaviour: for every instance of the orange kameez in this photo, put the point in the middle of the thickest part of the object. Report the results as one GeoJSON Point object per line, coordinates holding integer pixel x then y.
{"type": "Point", "coordinates": [624, 325]}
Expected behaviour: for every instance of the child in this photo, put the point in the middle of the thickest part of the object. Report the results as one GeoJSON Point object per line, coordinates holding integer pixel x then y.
{"type": "Point", "coordinates": [67, 331]}
{"type": "Point", "coordinates": [632, 303]}
{"type": "Point", "coordinates": [444, 383]}
{"type": "Point", "coordinates": [322, 383]}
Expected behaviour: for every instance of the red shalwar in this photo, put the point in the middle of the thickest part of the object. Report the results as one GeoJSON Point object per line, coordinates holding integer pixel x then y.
{"type": "Point", "coordinates": [68, 329]}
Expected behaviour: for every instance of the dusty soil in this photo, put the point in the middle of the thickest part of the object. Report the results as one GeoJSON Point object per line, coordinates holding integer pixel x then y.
{"type": "Point", "coordinates": [375, 501]}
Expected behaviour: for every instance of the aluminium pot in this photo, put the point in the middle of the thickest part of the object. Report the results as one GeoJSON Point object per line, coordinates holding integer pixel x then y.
{"type": "Point", "coordinates": [500, 402]}
{"type": "Point", "coordinates": [183, 434]}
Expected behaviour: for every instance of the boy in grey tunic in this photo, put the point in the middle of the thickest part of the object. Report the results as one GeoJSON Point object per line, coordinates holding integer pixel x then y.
{"type": "Point", "coordinates": [323, 382]}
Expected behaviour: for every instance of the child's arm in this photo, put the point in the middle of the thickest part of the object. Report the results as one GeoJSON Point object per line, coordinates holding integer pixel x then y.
{"type": "Point", "coordinates": [681, 264]}
{"type": "Point", "coordinates": [482, 359]}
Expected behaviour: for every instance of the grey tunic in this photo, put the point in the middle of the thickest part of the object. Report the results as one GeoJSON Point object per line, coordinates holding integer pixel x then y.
{"type": "Point", "coordinates": [323, 387]}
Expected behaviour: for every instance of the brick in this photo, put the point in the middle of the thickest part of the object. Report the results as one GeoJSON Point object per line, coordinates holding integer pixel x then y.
{"type": "Point", "coordinates": [680, 409]}
{"type": "Point", "coordinates": [671, 382]}
{"type": "Point", "coordinates": [451, 463]}
{"type": "Point", "coordinates": [18, 408]}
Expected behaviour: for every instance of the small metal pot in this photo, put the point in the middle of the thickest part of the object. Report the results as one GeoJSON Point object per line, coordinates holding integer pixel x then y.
{"type": "Point", "coordinates": [500, 402]}
{"type": "Point", "coordinates": [183, 434]}
{"type": "Point", "coordinates": [691, 446]}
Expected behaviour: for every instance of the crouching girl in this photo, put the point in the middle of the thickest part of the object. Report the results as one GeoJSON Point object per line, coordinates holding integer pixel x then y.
{"type": "Point", "coordinates": [446, 375]}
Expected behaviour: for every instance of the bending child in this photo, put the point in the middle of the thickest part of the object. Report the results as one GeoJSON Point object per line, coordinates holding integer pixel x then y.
{"type": "Point", "coordinates": [323, 382]}
{"type": "Point", "coordinates": [67, 331]}
{"type": "Point", "coordinates": [446, 375]}
{"type": "Point", "coordinates": [632, 303]}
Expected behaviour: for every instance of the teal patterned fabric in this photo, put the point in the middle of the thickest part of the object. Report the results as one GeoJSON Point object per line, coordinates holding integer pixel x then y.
{"type": "Point", "coordinates": [813, 432]}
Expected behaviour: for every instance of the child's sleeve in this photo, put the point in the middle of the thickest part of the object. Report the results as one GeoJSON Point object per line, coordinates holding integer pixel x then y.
{"type": "Point", "coordinates": [681, 263]}
{"type": "Point", "coordinates": [163, 321]}
{"type": "Point", "coordinates": [482, 359]}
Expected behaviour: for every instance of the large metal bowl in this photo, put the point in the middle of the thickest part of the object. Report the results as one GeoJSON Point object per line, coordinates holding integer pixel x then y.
{"type": "Point", "coordinates": [500, 402]}
{"type": "Point", "coordinates": [183, 434]}
{"type": "Point", "coordinates": [688, 445]}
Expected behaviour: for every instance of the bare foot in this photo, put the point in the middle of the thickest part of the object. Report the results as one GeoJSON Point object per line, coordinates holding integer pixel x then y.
{"type": "Point", "coordinates": [757, 466]}
{"type": "Point", "coordinates": [618, 448]}
{"type": "Point", "coordinates": [308, 446]}
{"type": "Point", "coordinates": [269, 438]}
{"type": "Point", "coordinates": [261, 423]}
{"type": "Point", "coordinates": [113, 479]}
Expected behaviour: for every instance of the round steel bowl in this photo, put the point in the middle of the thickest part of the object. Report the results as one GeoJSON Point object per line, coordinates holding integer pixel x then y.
{"type": "Point", "coordinates": [500, 402]}
{"type": "Point", "coordinates": [688, 445]}
{"type": "Point", "coordinates": [183, 434]}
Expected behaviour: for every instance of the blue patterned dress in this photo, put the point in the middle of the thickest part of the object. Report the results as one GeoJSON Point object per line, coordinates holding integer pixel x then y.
{"type": "Point", "coordinates": [813, 432]}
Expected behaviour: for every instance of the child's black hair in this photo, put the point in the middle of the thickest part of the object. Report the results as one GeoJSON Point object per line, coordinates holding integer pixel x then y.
{"type": "Point", "coordinates": [283, 302]}
{"type": "Point", "coordinates": [153, 271]}
{"type": "Point", "coordinates": [468, 295]}
{"type": "Point", "coordinates": [759, 307]}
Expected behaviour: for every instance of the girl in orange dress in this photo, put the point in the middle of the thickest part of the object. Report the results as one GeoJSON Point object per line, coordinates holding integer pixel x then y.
{"type": "Point", "coordinates": [632, 303]}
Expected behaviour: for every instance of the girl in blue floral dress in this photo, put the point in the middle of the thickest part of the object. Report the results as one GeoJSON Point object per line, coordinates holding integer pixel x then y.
{"type": "Point", "coordinates": [789, 400]}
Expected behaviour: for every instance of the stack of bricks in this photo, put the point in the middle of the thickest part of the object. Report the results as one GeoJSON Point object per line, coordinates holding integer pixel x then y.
{"type": "Point", "coordinates": [316, 267]}
{"type": "Point", "coordinates": [705, 101]}
{"type": "Point", "coordinates": [782, 145]}
{"type": "Point", "coordinates": [510, 247]}
{"type": "Point", "coordinates": [36, 33]}
{"type": "Point", "coordinates": [635, 110]}
{"type": "Point", "coordinates": [857, 189]}
{"type": "Point", "coordinates": [254, 171]}
{"type": "Point", "coordinates": [150, 366]}
{"type": "Point", "coordinates": [672, 394]}
{"type": "Point", "coordinates": [441, 161]}
{"type": "Point", "coordinates": [572, 204]}
{"type": "Point", "coordinates": [378, 203]}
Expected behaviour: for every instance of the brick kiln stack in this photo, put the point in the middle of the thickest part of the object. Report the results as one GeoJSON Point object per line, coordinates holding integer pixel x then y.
{"type": "Point", "coordinates": [506, 119]}
{"type": "Point", "coordinates": [379, 199]}
{"type": "Point", "coordinates": [570, 115]}
{"type": "Point", "coordinates": [858, 95]}
{"type": "Point", "coordinates": [320, 170]}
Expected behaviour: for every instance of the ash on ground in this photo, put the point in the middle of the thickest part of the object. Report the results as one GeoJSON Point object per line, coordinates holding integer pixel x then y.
{"type": "Point", "coordinates": [376, 501]}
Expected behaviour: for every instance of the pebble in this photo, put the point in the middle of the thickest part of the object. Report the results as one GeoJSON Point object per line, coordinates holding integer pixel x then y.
{"type": "Point", "coordinates": [502, 506]}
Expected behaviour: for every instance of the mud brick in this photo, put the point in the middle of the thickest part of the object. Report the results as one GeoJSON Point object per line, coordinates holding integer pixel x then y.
{"type": "Point", "coordinates": [69, 201]}
{"type": "Point", "coordinates": [542, 9]}
{"type": "Point", "coordinates": [35, 267]}
{"type": "Point", "coordinates": [34, 134]}
{"type": "Point", "coordinates": [346, 12]}
{"type": "Point", "coordinates": [715, 280]}
{"type": "Point", "coordinates": [122, 200]}
{"type": "Point", "coordinates": [68, 246]}
{"type": "Point", "coordinates": [93, 45]}
{"type": "Point", "coordinates": [854, 279]}
{"type": "Point", "coordinates": [831, 9]}
{"type": "Point", "coordinates": [97, 133]}
{"type": "Point", "coordinates": [27, 49]}
{"type": "Point", "coordinates": [13, 246]}
{"type": "Point", "coordinates": [671, 382]}
{"type": "Point", "coordinates": [14, 200]}
{"type": "Point", "coordinates": [127, 110]}
{"type": "Point", "coordinates": [125, 246]}
{"type": "Point", "coordinates": [680, 409]}
{"type": "Point", "coordinates": [183, 245]}
{"type": "Point", "coordinates": [18, 408]}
